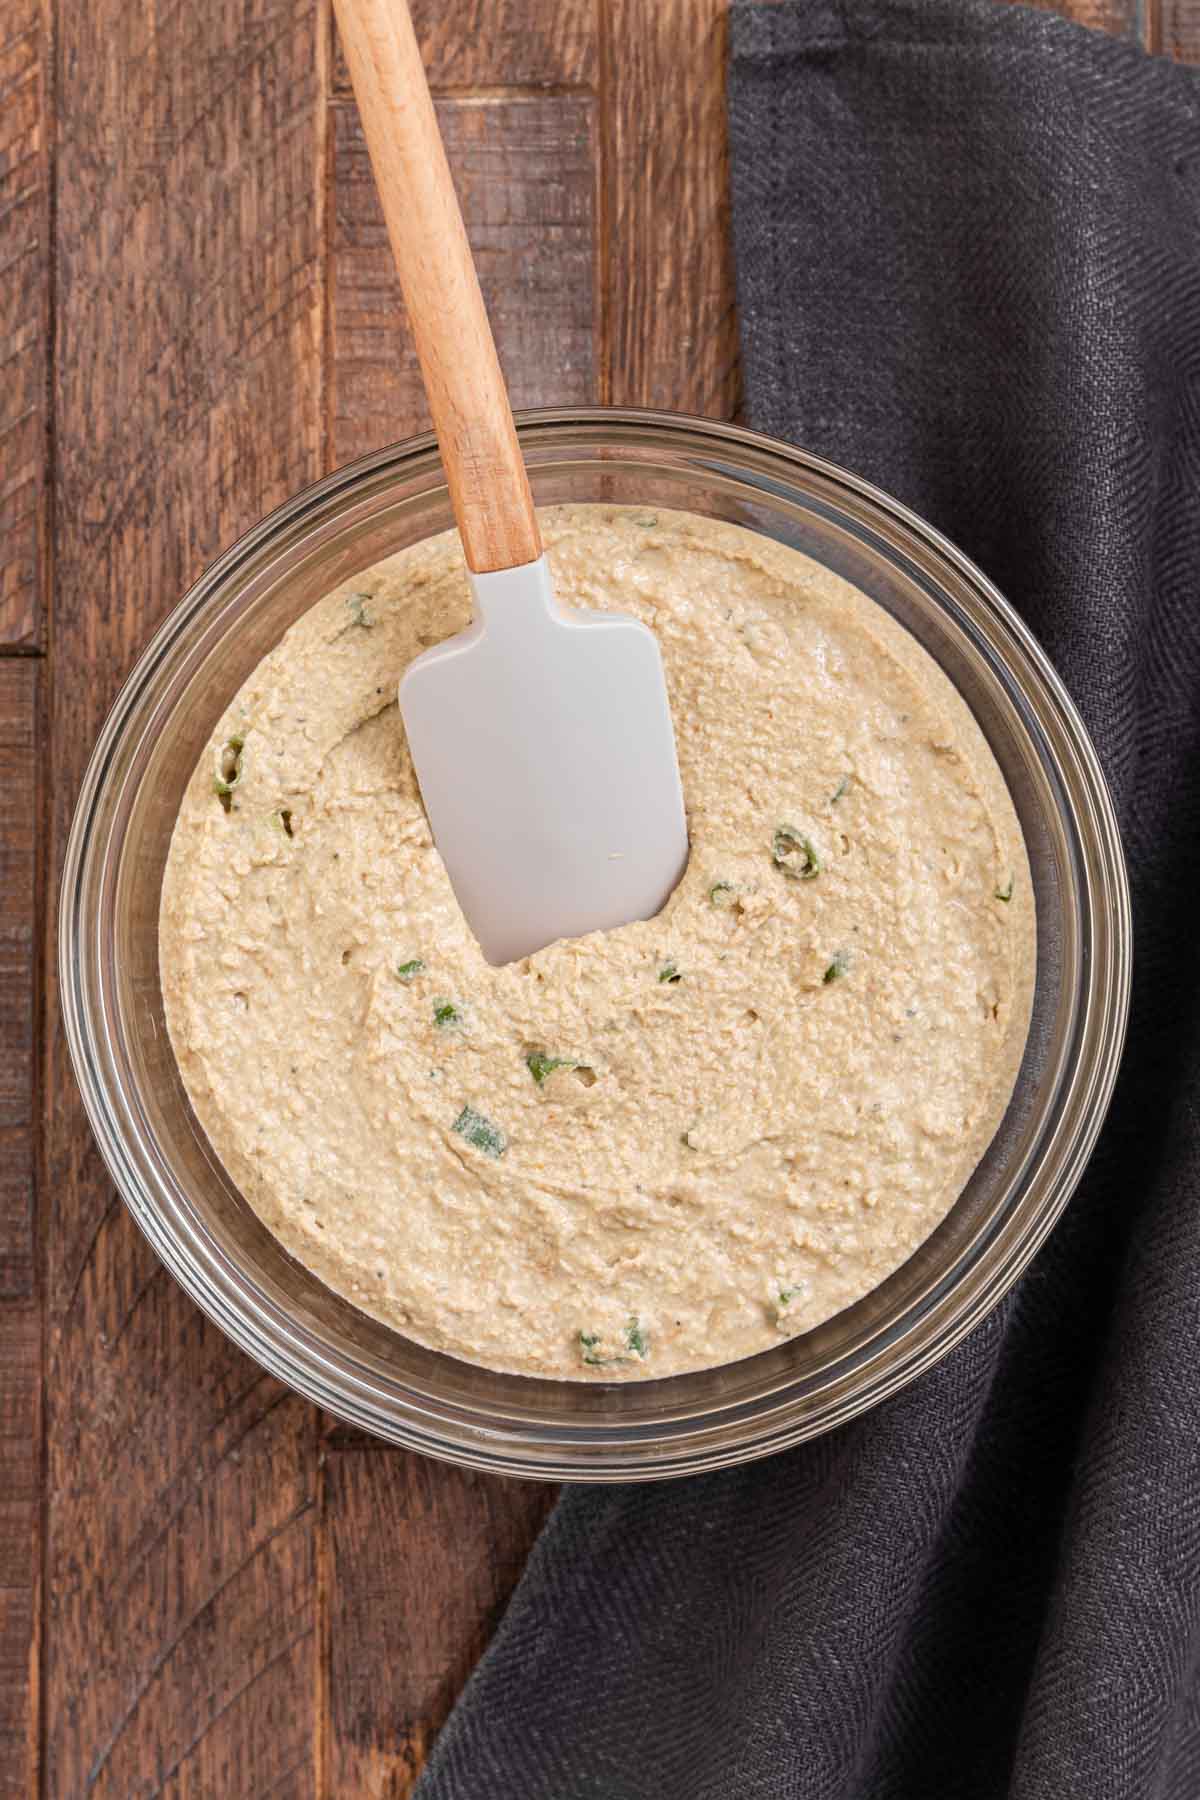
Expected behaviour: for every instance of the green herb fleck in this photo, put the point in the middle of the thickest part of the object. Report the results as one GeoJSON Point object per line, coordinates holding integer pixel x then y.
{"type": "Point", "coordinates": [446, 1016]}
{"type": "Point", "coordinates": [838, 967]}
{"type": "Point", "coordinates": [1005, 893]}
{"type": "Point", "coordinates": [646, 520]}
{"type": "Point", "coordinates": [794, 855]}
{"type": "Point", "coordinates": [359, 615]}
{"type": "Point", "coordinates": [722, 893]}
{"type": "Point", "coordinates": [637, 1346]}
{"type": "Point", "coordinates": [479, 1132]}
{"type": "Point", "coordinates": [408, 971]}
{"type": "Point", "coordinates": [541, 1066]}
{"type": "Point", "coordinates": [589, 1346]}
{"type": "Point", "coordinates": [669, 973]}
{"type": "Point", "coordinates": [839, 790]}
{"type": "Point", "coordinates": [229, 771]}
{"type": "Point", "coordinates": [784, 1300]}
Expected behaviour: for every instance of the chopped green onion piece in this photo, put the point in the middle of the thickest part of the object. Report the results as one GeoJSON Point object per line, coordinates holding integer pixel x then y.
{"type": "Point", "coordinates": [839, 790]}
{"type": "Point", "coordinates": [794, 855]}
{"type": "Point", "coordinates": [479, 1132]}
{"type": "Point", "coordinates": [721, 893]}
{"type": "Point", "coordinates": [1005, 893]}
{"type": "Point", "coordinates": [541, 1066]}
{"type": "Point", "coordinates": [446, 1016]}
{"type": "Point", "coordinates": [589, 1346]}
{"type": "Point", "coordinates": [838, 967]}
{"type": "Point", "coordinates": [783, 1303]}
{"type": "Point", "coordinates": [229, 771]}
{"type": "Point", "coordinates": [359, 615]}
{"type": "Point", "coordinates": [636, 1343]}
{"type": "Point", "coordinates": [408, 971]}
{"type": "Point", "coordinates": [669, 973]}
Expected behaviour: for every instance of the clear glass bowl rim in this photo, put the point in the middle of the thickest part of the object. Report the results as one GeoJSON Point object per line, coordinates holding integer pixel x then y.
{"type": "Point", "coordinates": [503, 1440]}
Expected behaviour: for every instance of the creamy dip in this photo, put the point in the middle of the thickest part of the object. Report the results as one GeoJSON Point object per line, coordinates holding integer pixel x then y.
{"type": "Point", "coordinates": [646, 1150]}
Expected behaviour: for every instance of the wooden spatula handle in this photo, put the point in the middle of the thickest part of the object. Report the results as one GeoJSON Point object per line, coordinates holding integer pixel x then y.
{"type": "Point", "coordinates": [489, 487]}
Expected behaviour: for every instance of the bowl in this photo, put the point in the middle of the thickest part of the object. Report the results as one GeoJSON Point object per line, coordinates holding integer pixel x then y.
{"type": "Point", "coordinates": [357, 1367]}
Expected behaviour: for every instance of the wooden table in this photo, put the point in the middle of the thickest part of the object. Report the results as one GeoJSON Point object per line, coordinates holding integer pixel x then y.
{"type": "Point", "coordinates": [207, 1587]}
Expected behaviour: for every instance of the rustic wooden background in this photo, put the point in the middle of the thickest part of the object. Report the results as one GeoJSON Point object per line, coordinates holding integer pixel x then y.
{"type": "Point", "coordinates": [207, 1588]}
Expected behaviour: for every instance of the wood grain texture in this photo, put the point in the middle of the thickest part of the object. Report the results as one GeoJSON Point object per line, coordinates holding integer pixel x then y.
{"type": "Point", "coordinates": [180, 1642]}
{"type": "Point", "coordinates": [424, 1558]}
{"type": "Point", "coordinates": [1175, 28]}
{"type": "Point", "coordinates": [497, 44]}
{"type": "Point", "coordinates": [670, 330]}
{"type": "Point", "coordinates": [1121, 18]}
{"type": "Point", "coordinates": [20, 1343]}
{"type": "Point", "coordinates": [24, 316]}
{"type": "Point", "coordinates": [524, 172]}
{"type": "Point", "coordinates": [452, 337]}
{"type": "Point", "coordinates": [19, 682]}
{"type": "Point", "coordinates": [20, 1316]}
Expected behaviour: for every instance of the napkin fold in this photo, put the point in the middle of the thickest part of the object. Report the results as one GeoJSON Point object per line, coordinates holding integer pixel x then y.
{"type": "Point", "coordinates": [968, 255]}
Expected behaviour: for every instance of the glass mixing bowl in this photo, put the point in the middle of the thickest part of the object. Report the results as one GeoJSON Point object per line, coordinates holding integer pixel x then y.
{"type": "Point", "coordinates": [362, 1370]}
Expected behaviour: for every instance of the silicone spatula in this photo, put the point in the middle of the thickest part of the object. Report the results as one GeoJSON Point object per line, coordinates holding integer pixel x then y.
{"type": "Point", "coordinates": [541, 735]}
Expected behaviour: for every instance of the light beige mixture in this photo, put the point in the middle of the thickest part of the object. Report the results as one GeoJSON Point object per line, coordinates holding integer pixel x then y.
{"type": "Point", "coordinates": [650, 1149]}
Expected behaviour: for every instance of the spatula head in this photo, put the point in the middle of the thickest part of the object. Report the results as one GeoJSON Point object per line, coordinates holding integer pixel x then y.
{"type": "Point", "coordinates": [543, 743]}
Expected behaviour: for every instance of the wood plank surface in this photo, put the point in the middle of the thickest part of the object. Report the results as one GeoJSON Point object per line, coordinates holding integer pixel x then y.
{"type": "Point", "coordinates": [670, 331]}
{"type": "Point", "coordinates": [499, 44]}
{"type": "Point", "coordinates": [20, 1317]}
{"type": "Point", "coordinates": [19, 1524]}
{"type": "Point", "coordinates": [24, 316]}
{"type": "Point", "coordinates": [524, 173]}
{"type": "Point", "coordinates": [20, 679]}
{"type": "Point", "coordinates": [181, 1483]}
{"type": "Point", "coordinates": [1121, 18]}
{"type": "Point", "coordinates": [406, 1629]}
{"type": "Point", "coordinates": [1175, 28]}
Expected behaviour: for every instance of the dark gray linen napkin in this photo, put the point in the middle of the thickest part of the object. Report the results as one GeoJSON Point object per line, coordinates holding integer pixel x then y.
{"type": "Point", "coordinates": [968, 257]}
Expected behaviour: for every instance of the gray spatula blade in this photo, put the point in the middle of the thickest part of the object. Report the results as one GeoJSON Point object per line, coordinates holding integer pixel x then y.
{"type": "Point", "coordinates": [543, 745]}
